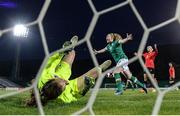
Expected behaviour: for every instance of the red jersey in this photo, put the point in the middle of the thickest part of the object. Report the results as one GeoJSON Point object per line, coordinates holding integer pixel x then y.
{"type": "Point", "coordinates": [149, 59]}
{"type": "Point", "coordinates": [171, 72]}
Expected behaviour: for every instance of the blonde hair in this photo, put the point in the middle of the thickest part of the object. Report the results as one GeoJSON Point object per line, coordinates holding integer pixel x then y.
{"type": "Point", "coordinates": [115, 36]}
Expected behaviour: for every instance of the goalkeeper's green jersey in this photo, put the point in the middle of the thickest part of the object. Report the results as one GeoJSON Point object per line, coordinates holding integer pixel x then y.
{"type": "Point", "coordinates": [55, 66]}
{"type": "Point", "coordinates": [115, 49]}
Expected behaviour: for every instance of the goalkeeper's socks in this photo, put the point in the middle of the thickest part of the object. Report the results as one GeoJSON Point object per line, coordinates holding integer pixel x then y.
{"type": "Point", "coordinates": [105, 65]}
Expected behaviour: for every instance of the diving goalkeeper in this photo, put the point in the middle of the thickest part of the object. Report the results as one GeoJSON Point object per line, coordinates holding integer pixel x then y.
{"type": "Point", "coordinates": [54, 81]}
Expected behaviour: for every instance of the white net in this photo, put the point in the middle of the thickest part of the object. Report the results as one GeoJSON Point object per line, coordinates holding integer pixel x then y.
{"type": "Point", "coordinates": [86, 39]}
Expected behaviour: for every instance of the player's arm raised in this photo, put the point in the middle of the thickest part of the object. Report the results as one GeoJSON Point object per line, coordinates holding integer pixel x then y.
{"type": "Point", "coordinates": [128, 37]}
{"type": "Point", "coordinates": [156, 49]}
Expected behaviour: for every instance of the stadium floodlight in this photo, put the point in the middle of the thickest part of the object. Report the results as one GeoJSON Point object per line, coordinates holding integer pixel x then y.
{"type": "Point", "coordinates": [20, 30]}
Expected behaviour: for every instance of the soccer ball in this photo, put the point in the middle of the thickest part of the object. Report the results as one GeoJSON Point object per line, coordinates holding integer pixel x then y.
{"type": "Point", "coordinates": [141, 91]}
{"type": "Point", "coordinates": [177, 88]}
{"type": "Point", "coordinates": [153, 90]}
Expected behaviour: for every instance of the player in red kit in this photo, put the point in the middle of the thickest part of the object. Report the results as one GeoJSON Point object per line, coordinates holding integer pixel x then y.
{"type": "Point", "coordinates": [149, 58]}
{"type": "Point", "coordinates": [171, 74]}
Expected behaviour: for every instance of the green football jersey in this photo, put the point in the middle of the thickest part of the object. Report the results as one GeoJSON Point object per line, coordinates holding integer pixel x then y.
{"type": "Point", "coordinates": [115, 49]}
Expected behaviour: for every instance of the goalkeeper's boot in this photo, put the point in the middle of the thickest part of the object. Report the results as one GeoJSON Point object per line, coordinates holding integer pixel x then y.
{"type": "Point", "coordinates": [73, 42]}
{"type": "Point", "coordinates": [105, 65]}
{"type": "Point", "coordinates": [66, 44]}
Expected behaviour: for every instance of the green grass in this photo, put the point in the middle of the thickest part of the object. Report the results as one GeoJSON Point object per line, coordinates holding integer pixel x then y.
{"type": "Point", "coordinates": [130, 103]}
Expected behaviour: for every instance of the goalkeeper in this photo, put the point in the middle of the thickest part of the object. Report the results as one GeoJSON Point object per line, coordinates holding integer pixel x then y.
{"type": "Point", "coordinates": [54, 81]}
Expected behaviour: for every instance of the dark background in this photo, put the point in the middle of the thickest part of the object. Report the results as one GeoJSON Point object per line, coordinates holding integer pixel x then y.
{"type": "Point", "coordinates": [66, 18]}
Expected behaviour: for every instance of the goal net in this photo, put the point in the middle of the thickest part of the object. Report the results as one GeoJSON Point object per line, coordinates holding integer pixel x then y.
{"type": "Point", "coordinates": [87, 39]}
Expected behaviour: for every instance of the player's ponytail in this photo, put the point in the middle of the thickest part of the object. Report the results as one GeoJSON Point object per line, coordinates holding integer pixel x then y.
{"type": "Point", "coordinates": [117, 36]}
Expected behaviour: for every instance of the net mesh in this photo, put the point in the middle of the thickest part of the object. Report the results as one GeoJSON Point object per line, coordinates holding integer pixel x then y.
{"type": "Point", "coordinates": [86, 39]}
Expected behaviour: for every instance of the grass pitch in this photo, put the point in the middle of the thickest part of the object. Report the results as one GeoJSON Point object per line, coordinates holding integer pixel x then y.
{"type": "Point", "coordinates": [130, 103]}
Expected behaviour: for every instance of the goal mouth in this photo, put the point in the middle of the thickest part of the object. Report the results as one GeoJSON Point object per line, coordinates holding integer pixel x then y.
{"type": "Point", "coordinates": [96, 14]}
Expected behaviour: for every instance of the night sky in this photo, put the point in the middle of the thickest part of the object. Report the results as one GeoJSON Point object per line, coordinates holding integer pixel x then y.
{"type": "Point", "coordinates": [66, 18]}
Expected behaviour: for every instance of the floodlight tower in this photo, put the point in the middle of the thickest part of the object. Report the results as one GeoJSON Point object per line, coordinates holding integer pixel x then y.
{"type": "Point", "coordinates": [20, 32]}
